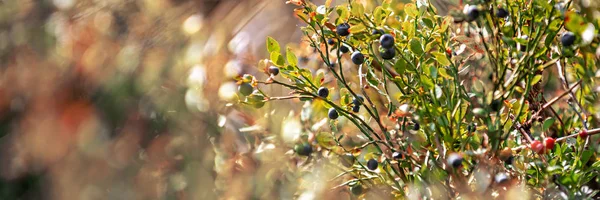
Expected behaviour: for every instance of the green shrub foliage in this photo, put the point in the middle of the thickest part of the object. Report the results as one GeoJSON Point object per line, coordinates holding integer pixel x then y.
{"type": "Point", "coordinates": [499, 99]}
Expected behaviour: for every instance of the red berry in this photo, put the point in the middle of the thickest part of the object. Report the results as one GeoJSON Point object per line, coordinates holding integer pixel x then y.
{"type": "Point", "coordinates": [583, 133]}
{"type": "Point", "coordinates": [549, 143]}
{"type": "Point", "coordinates": [536, 146]}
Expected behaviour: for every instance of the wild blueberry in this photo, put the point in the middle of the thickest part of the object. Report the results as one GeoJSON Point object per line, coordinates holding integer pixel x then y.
{"type": "Point", "coordinates": [501, 13]}
{"type": "Point", "coordinates": [245, 89]}
{"type": "Point", "coordinates": [304, 59]}
{"type": "Point", "coordinates": [342, 29]}
{"type": "Point", "coordinates": [388, 54]}
{"type": "Point", "coordinates": [323, 92]}
{"type": "Point", "coordinates": [454, 160]}
{"type": "Point", "coordinates": [372, 164]}
{"type": "Point", "coordinates": [472, 13]}
{"type": "Point", "coordinates": [330, 41]}
{"type": "Point", "coordinates": [358, 101]}
{"type": "Point", "coordinates": [357, 58]}
{"type": "Point", "coordinates": [495, 105]}
{"type": "Point", "coordinates": [567, 39]}
{"type": "Point", "coordinates": [417, 126]}
{"type": "Point", "coordinates": [333, 114]}
{"type": "Point", "coordinates": [510, 160]}
{"type": "Point", "coordinates": [377, 31]}
{"type": "Point", "coordinates": [386, 41]}
{"type": "Point", "coordinates": [356, 189]}
{"type": "Point", "coordinates": [303, 149]}
{"type": "Point", "coordinates": [355, 108]}
{"type": "Point", "coordinates": [396, 155]}
{"type": "Point", "coordinates": [501, 178]}
{"type": "Point", "coordinates": [344, 49]}
{"type": "Point", "coordinates": [273, 70]}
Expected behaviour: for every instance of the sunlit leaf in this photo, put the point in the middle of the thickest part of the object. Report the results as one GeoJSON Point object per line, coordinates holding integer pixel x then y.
{"type": "Point", "coordinates": [272, 45]}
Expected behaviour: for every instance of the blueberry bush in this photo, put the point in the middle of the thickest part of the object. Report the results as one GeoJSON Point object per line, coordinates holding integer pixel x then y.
{"type": "Point", "coordinates": [497, 99]}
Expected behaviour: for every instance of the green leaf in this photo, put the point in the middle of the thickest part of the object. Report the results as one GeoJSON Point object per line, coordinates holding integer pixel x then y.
{"type": "Point", "coordinates": [277, 59]}
{"type": "Point", "coordinates": [416, 47]}
{"type": "Point", "coordinates": [319, 78]}
{"type": "Point", "coordinates": [428, 22]}
{"type": "Point", "coordinates": [574, 23]}
{"type": "Point", "coordinates": [357, 28]}
{"type": "Point", "coordinates": [272, 45]}
{"type": "Point", "coordinates": [342, 12]}
{"type": "Point", "coordinates": [441, 58]}
{"type": "Point", "coordinates": [445, 74]}
{"type": "Point", "coordinates": [427, 82]}
{"type": "Point", "coordinates": [536, 79]}
{"type": "Point", "coordinates": [433, 72]}
{"type": "Point", "coordinates": [400, 66]}
{"type": "Point", "coordinates": [345, 96]}
{"type": "Point", "coordinates": [411, 10]}
{"type": "Point", "coordinates": [547, 123]}
{"type": "Point", "coordinates": [357, 9]}
{"type": "Point", "coordinates": [438, 92]}
{"type": "Point", "coordinates": [585, 156]}
{"type": "Point", "coordinates": [291, 58]}
{"type": "Point", "coordinates": [325, 140]}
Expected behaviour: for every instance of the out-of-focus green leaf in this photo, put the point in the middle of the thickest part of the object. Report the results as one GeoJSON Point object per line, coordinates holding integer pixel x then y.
{"type": "Point", "coordinates": [325, 140]}
{"type": "Point", "coordinates": [272, 45]}
{"type": "Point", "coordinates": [441, 58]}
{"type": "Point", "coordinates": [291, 58]}
{"type": "Point", "coordinates": [547, 123]}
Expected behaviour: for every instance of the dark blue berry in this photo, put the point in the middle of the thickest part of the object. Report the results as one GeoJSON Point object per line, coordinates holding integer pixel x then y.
{"type": "Point", "coordinates": [501, 13]}
{"type": "Point", "coordinates": [304, 149]}
{"type": "Point", "coordinates": [472, 13]}
{"type": "Point", "coordinates": [396, 155]}
{"type": "Point", "coordinates": [245, 89]}
{"type": "Point", "coordinates": [333, 114]}
{"type": "Point", "coordinates": [358, 101]}
{"type": "Point", "coordinates": [330, 41]}
{"type": "Point", "coordinates": [388, 54]}
{"type": "Point", "coordinates": [386, 41]}
{"type": "Point", "coordinates": [454, 160]}
{"type": "Point", "coordinates": [372, 164]}
{"type": "Point", "coordinates": [567, 39]}
{"type": "Point", "coordinates": [344, 49]}
{"type": "Point", "coordinates": [343, 29]}
{"type": "Point", "coordinates": [510, 160]}
{"type": "Point", "coordinates": [323, 92]}
{"type": "Point", "coordinates": [417, 126]}
{"type": "Point", "coordinates": [355, 108]}
{"type": "Point", "coordinates": [377, 32]}
{"type": "Point", "coordinates": [273, 70]}
{"type": "Point", "coordinates": [357, 58]}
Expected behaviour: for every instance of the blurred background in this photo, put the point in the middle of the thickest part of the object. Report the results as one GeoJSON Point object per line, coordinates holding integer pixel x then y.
{"type": "Point", "coordinates": [131, 99]}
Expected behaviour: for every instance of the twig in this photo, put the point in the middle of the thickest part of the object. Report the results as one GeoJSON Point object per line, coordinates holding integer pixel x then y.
{"type": "Point", "coordinates": [561, 139]}
{"type": "Point", "coordinates": [285, 98]}
{"type": "Point", "coordinates": [520, 128]}
{"type": "Point", "coordinates": [555, 99]}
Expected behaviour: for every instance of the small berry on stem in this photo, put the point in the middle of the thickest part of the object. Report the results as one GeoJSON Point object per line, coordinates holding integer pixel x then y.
{"type": "Point", "coordinates": [372, 164]}
{"type": "Point", "coordinates": [323, 92]}
{"type": "Point", "coordinates": [333, 114]}
{"type": "Point", "coordinates": [343, 29]}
